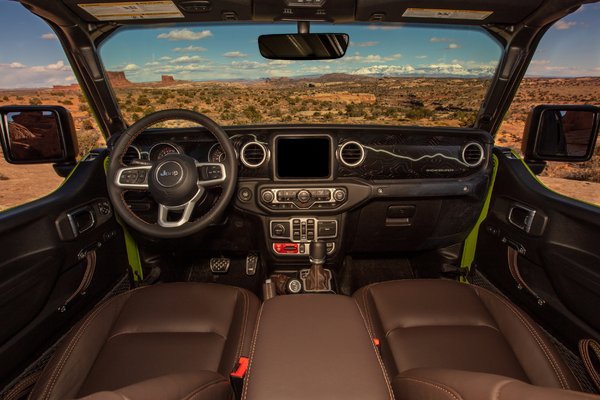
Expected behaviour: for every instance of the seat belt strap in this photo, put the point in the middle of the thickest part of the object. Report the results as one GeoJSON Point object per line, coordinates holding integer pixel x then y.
{"type": "Point", "coordinates": [237, 376]}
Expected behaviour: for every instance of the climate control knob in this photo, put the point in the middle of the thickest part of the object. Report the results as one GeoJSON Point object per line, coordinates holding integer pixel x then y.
{"type": "Point", "coordinates": [267, 196]}
{"type": "Point", "coordinates": [303, 196]}
{"type": "Point", "coordinates": [339, 195]}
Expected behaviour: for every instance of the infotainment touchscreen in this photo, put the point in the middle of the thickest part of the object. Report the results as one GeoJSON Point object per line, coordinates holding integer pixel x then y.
{"type": "Point", "coordinates": [303, 157]}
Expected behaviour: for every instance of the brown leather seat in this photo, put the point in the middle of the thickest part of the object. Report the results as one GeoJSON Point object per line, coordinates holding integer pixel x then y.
{"type": "Point", "coordinates": [448, 325]}
{"type": "Point", "coordinates": [167, 341]}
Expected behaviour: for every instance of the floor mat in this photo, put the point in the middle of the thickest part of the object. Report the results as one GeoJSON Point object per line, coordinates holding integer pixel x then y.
{"type": "Point", "coordinates": [573, 360]}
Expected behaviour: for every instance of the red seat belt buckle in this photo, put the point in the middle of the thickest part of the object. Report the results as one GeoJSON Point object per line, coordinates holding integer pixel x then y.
{"type": "Point", "coordinates": [377, 343]}
{"type": "Point", "coordinates": [241, 368]}
{"type": "Point", "coordinates": [237, 376]}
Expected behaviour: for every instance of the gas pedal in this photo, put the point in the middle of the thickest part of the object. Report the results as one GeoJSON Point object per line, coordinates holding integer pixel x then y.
{"type": "Point", "coordinates": [251, 264]}
{"type": "Point", "coordinates": [219, 265]}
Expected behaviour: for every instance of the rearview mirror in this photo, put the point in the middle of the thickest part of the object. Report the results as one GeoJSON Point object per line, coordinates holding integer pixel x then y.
{"type": "Point", "coordinates": [38, 134]}
{"type": "Point", "coordinates": [561, 133]}
{"type": "Point", "coordinates": [303, 46]}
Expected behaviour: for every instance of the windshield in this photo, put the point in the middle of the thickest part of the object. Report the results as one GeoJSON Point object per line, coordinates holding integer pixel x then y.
{"type": "Point", "coordinates": [391, 74]}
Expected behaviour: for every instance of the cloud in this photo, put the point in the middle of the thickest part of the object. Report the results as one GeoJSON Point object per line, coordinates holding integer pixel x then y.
{"type": "Point", "coordinates": [422, 57]}
{"type": "Point", "coordinates": [49, 36]}
{"type": "Point", "coordinates": [540, 62]}
{"type": "Point", "coordinates": [186, 59]}
{"type": "Point", "coordinates": [280, 62]}
{"type": "Point", "coordinates": [185, 34]}
{"type": "Point", "coordinates": [131, 67]}
{"type": "Point", "coordinates": [364, 44]}
{"type": "Point", "coordinates": [189, 48]}
{"type": "Point", "coordinates": [463, 69]}
{"type": "Point", "coordinates": [165, 58]}
{"type": "Point", "coordinates": [454, 46]}
{"type": "Point", "coordinates": [371, 58]}
{"type": "Point", "coordinates": [18, 75]}
{"type": "Point", "coordinates": [16, 65]}
{"type": "Point", "coordinates": [247, 64]}
{"type": "Point", "coordinates": [563, 25]}
{"type": "Point", "coordinates": [235, 54]}
{"type": "Point", "coordinates": [440, 40]}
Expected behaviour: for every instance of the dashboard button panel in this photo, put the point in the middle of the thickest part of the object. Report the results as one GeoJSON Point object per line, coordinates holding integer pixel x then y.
{"type": "Point", "coordinates": [303, 198]}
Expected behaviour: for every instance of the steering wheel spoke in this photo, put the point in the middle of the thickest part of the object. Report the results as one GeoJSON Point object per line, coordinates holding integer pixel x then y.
{"type": "Point", "coordinates": [211, 174]}
{"type": "Point", "coordinates": [133, 178]}
{"type": "Point", "coordinates": [185, 209]}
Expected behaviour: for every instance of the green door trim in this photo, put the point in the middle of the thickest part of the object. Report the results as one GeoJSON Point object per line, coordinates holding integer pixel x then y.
{"type": "Point", "coordinates": [470, 245]}
{"type": "Point", "coordinates": [133, 251]}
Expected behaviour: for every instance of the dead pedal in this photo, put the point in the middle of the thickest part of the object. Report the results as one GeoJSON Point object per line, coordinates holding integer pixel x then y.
{"type": "Point", "coordinates": [219, 265]}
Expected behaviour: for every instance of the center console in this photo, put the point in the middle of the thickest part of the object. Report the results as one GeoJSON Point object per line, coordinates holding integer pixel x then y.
{"type": "Point", "coordinates": [314, 347]}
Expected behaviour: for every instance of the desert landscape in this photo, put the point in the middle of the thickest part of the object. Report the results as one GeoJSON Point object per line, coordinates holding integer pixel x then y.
{"type": "Point", "coordinates": [332, 98]}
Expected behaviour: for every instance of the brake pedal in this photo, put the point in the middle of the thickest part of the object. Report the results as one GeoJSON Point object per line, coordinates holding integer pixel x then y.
{"type": "Point", "coordinates": [219, 265]}
{"type": "Point", "coordinates": [251, 264]}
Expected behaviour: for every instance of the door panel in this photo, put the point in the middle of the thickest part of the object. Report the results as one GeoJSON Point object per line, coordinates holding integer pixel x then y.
{"type": "Point", "coordinates": [556, 252]}
{"type": "Point", "coordinates": [44, 260]}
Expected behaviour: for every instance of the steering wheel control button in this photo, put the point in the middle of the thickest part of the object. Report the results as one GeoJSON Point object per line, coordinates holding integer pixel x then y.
{"type": "Point", "coordinates": [129, 177]}
{"type": "Point", "coordinates": [294, 286]}
{"type": "Point", "coordinates": [169, 174]}
{"type": "Point", "coordinates": [211, 172]}
{"type": "Point", "coordinates": [304, 196]}
{"type": "Point", "coordinates": [219, 265]}
{"type": "Point", "coordinates": [267, 196]}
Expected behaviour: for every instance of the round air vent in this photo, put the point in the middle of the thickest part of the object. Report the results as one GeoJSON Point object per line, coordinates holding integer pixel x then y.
{"type": "Point", "coordinates": [472, 154]}
{"type": "Point", "coordinates": [351, 154]}
{"type": "Point", "coordinates": [254, 154]}
{"type": "Point", "coordinates": [131, 154]}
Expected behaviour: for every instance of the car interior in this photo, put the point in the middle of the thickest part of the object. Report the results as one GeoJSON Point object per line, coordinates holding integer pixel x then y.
{"type": "Point", "coordinates": [300, 261]}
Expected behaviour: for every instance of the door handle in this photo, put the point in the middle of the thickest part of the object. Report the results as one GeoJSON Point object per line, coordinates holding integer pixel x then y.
{"type": "Point", "coordinates": [521, 216]}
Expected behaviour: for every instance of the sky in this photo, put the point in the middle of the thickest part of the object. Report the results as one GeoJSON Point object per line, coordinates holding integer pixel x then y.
{"type": "Point", "coordinates": [31, 56]}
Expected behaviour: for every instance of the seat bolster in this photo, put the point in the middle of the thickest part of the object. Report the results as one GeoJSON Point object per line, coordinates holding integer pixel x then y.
{"type": "Point", "coordinates": [66, 372]}
{"type": "Point", "coordinates": [204, 385]}
{"type": "Point", "coordinates": [241, 330]}
{"type": "Point", "coordinates": [530, 345]}
{"type": "Point", "coordinates": [447, 384]}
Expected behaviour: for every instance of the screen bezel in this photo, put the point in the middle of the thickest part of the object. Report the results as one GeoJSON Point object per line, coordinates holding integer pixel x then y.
{"type": "Point", "coordinates": [276, 176]}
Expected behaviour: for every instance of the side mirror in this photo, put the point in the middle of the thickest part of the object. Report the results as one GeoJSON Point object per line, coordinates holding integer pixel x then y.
{"type": "Point", "coordinates": [38, 134]}
{"type": "Point", "coordinates": [560, 133]}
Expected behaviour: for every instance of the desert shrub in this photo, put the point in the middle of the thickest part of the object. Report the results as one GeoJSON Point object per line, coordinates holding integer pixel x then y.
{"type": "Point", "coordinates": [419, 113]}
{"type": "Point", "coordinates": [87, 124]}
{"type": "Point", "coordinates": [466, 118]}
{"type": "Point", "coordinates": [67, 102]}
{"type": "Point", "coordinates": [87, 140]}
{"type": "Point", "coordinates": [84, 107]}
{"type": "Point", "coordinates": [252, 114]}
{"type": "Point", "coordinates": [3, 177]}
{"type": "Point", "coordinates": [19, 98]}
{"type": "Point", "coordinates": [5, 98]}
{"type": "Point", "coordinates": [34, 101]}
{"type": "Point", "coordinates": [143, 100]}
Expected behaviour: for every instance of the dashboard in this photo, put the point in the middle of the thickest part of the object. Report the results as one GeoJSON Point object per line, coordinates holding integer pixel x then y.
{"type": "Point", "coordinates": [358, 188]}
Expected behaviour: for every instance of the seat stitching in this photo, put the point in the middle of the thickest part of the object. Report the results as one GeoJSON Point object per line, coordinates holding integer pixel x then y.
{"type": "Point", "coordinates": [165, 333]}
{"type": "Point", "coordinates": [450, 392]}
{"type": "Point", "coordinates": [441, 326]}
{"type": "Point", "coordinates": [244, 321]}
{"type": "Point", "coordinates": [500, 388]}
{"type": "Point", "coordinates": [196, 392]}
{"type": "Point", "coordinates": [367, 311]}
{"type": "Point", "coordinates": [254, 340]}
{"type": "Point", "coordinates": [553, 363]}
{"type": "Point", "coordinates": [71, 347]}
{"type": "Point", "coordinates": [383, 370]}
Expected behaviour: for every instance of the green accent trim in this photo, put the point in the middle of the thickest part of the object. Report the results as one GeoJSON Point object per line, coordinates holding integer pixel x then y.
{"type": "Point", "coordinates": [518, 157]}
{"type": "Point", "coordinates": [133, 251]}
{"type": "Point", "coordinates": [470, 245]}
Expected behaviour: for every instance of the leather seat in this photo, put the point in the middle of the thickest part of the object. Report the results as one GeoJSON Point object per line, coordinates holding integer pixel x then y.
{"type": "Point", "coordinates": [448, 325]}
{"type": "Point", "coordinates": [167, 341]}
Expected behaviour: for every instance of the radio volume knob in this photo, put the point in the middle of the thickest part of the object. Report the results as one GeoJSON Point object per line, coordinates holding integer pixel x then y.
{"type": "Point", "coordinates": [303, 196]}
{"type": "Point", "coordinates": [339, 195]}
{"type": "Point", "coordinates": [267, 196]}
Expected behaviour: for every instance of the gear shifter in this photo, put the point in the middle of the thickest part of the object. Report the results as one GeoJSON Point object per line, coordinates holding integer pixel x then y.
{"type": "Point", "coordinates": [317, 279]}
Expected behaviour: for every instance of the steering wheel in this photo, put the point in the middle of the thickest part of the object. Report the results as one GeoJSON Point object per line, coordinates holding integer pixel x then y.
{"type": "Point", "coordinates": [176, 182]}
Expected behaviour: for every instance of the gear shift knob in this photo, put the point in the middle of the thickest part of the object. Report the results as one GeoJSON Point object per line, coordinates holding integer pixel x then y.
{"type": "Point", "coordinates": [317, 252]}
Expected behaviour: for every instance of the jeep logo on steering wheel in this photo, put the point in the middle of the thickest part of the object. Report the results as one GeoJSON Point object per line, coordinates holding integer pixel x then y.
{"type": "Point", "coordinates": [169, 173]}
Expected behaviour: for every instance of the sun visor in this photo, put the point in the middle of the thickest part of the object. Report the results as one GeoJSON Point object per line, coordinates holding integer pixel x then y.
{"type": "Point", "coordinates": [464, 12]}
{"type": "Point", "coordinates": [161, 11]}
